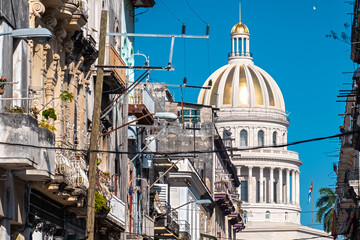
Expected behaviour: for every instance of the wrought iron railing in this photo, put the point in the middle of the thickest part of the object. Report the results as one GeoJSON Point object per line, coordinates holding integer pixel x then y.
{"type": "Point", "coordinates": [184, 226]}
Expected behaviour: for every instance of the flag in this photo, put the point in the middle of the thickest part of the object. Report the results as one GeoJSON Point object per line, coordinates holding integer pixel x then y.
{"type": "Point", "coordinates": [310, 190]}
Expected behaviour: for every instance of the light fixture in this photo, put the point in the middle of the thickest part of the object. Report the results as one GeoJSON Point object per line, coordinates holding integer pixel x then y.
{"type": "Point", "coordinates": [38, 35]}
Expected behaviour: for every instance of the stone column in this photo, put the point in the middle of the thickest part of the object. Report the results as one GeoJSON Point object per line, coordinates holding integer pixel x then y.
{"type": "Point", "coordinates": [293, 190]}
{"type": "Point", "coordinates": [232, 47]}
{"type": "Point", "coordinates": [271, 185]}
{"type": "Point", "coordinates": [261, 185]}
{"type": "Point", "coordinates": [242, 46]}
{"type": "Point", "coordinates": [250, 184]}
{"type": "Point", "coordinates": [239, 173]}
{"type": "Point", "coordinates": [287, 185]}
{"type": "Point", "coordinates": [237, 46]}
{"type": "Point", "coordinates": [248, 47]}
{"type": "Point", "coordinates": [298, 187]}
{"type": "Point", "coordinates": [280, 186]}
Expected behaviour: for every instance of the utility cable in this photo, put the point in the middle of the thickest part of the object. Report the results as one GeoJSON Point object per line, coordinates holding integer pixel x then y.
{"type": "Point", "coordinates": [195, 12]}
{"type": "Point", "coordinates": [182, 152]}
{"type": "Point", "coordinates": [171, 12]}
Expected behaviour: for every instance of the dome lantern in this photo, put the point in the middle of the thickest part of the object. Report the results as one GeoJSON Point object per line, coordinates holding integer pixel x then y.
{"type": "Point", "coordinates": [240, 45]}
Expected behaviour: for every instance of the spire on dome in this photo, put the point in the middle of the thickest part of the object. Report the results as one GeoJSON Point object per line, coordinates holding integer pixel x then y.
{"type": "Point", "coordinates": [240, 12]}
{"type": "Point", "coordinates": [240, 47]}
{"type": "Point", "coordinates": [240, 27]}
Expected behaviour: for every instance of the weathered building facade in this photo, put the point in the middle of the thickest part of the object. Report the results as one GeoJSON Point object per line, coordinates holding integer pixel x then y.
{"type": "Point", "coordinates": [346, 212]}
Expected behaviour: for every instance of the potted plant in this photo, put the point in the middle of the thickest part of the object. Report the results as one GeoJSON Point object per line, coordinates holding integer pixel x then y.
{"type": "Point", "coordinates": [35, 111]}
{"type": "Point", "coordinates": [3, 81]}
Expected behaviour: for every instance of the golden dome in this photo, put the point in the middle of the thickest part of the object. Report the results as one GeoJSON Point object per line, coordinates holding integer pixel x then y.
{"type": "Point", "coordinates": [240, 28]}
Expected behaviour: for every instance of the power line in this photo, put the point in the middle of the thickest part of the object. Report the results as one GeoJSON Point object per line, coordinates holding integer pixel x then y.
{"type": "Point", "coordinates": [171, 12]}
{"type": "Point", "coordinates": [195, 12]}
{"type": "Point", "coordinates": [187, 153]}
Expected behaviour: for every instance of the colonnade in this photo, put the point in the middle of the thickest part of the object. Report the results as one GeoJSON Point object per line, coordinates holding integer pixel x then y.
{"type": "Point", "coordinates": [236, 41]}
{"type": "Point", "coordinates": [284, 193]}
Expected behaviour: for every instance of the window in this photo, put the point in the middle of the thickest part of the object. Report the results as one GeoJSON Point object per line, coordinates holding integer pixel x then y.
{"type": "Point", "coordinates": [261, 138]}
{"type": "Point", "coordinates": [286, 216]}
{"type": "Point", "coordinates": [243, 138]}
{"type": "Point", "coordinates": [244, 191]}
{"type": "Point", "coordinates": [227, 138]}
{"type": "Point", "coordinates": [227, 134]}
{"type": "Point", "coordinates": [267, 215]}
{"type": "Point", "coordinates": [274, 138]}
{"type": "Point", "coordinates": [190, 116]}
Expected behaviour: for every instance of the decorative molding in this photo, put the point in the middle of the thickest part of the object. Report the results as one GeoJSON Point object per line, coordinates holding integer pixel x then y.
{"type": "Point", "coordinates": [36, 8]}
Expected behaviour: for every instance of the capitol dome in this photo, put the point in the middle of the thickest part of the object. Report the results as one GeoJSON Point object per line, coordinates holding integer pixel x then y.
{"type": "Point", "coordinates": [242, 84]}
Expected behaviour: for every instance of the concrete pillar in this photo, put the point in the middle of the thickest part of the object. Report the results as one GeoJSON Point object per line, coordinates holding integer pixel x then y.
{"type": "Point", "coordinates": [250, 184]}
{"type": "Point", "coordinates": [287, 185]}
{"type": "Point", "coordinates": [248, 47]}
{"type": "Point", "coordinates": [239, 173]}
{"type": "Point", "coordinates": [280, 191]}
{"type": "Point", "coordinates": [298, 187]}
{"type": "Point", "coordinates": [271, 185]}
{"type": "Point", "coordinates": [261, 184]}
{"type": "Point", "coordinates": [232, 47]}
{"type": "Point", "coordinates": [293, 190]}
{"type": "Point", "coordinates": [237, 46]}
{"type": "Point", "coordinates": [242, 46]}
{"type": "Point", "coordinates": [238, 170]}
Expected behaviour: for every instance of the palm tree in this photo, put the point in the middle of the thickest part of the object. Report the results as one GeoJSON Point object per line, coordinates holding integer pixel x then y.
{"type": "Point", "coordinates": [326, 204]}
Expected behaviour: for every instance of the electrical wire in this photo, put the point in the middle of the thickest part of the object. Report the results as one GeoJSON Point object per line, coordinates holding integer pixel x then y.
{"type": "Point", "coordinates": [187, 153]}
{"type": "Point", "coordinates": [195, 12]}
{"type": "Point", "coordinates": [171, 12]}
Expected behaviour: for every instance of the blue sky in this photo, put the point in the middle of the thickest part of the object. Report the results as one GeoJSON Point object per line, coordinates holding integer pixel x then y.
{"type": "Point", "coordinates": [288, 41]}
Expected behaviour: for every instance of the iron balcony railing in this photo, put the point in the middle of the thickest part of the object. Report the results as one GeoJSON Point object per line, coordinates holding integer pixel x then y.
{"type": "Point", "coordinates": [184, 226]}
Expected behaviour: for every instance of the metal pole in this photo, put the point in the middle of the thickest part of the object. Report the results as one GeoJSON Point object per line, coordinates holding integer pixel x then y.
{"type": "Point", "coordinates": [182, 107]}
{"type": "Point", "coordinates": [312, 206]}
{"type": "Point", "coordinates": [171, 51]}
{"type": "Point", "coordinates": [165, 172]}
{"type": "Point", "coordinates": [90, 220]}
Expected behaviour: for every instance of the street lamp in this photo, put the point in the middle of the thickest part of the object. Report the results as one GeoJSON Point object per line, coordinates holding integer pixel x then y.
{"type": "Point", "coordinates": [38, 35]}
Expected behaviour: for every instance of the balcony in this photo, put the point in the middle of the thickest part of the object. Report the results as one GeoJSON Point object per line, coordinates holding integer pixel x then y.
{"type": "Point", "coordinates": [117, 211]}
{"type": "Point", "coordinates": [29, 163]}
{"type": "Point", "coordinates": [184, 230]}
{"type": "Point", "coordinates": [142, 103]}
{"type": "Point", "coordinates": [115, 79]}
{"type": "Point", "coordinates": [236, 221]}
{"type": "Point", "coordinates": [148, 226]}
{"type": "Point", "coordinates": [187, 176]}
{"type": "Point", "coordinates": [166, 226]}
{"type": "Point", "coordinates": [222, 198]}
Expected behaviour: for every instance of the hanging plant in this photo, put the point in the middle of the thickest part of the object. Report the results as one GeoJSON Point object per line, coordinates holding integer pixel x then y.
{"type": "Point", "coordinates": [49, 113]}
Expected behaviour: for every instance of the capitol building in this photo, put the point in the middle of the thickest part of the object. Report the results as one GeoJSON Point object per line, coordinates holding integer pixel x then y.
{"type": "Point", "coordinates": [252, 117]}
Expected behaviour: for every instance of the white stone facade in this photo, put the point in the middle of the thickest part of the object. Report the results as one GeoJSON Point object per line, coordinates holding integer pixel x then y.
{"type": "Point", "coordinates": [253, 124]}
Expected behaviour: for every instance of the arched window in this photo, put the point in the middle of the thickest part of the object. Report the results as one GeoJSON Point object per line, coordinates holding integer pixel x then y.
{"type": "Point", "coordinates": [286, 216]}
{"type": "Point", "coordinates": [274, 138]}
{"type": "Point", "coordinates": [261, 138]}
{"type": "Point", "coordinates": [267, 215]}
{"type": "Point", "coordinates": [243, 138]}
{"type": "Point", "coordinates": [226, 134]}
